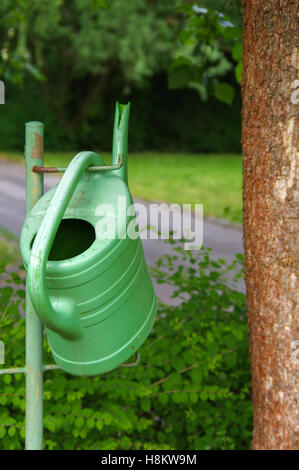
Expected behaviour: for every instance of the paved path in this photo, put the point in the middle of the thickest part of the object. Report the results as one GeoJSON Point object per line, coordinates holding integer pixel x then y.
{"type": "Point", "coordinates": [224, 239]}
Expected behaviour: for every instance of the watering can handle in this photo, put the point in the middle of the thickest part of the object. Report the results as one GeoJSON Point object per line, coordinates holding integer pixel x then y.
{"type": "Point", "coordinates": [58, 313]}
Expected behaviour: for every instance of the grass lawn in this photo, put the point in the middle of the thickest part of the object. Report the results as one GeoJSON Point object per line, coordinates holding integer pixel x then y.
{"type": "Point", "coordinates": [212, 180]}
{"type": "Point", "coordinates": [9, 248]}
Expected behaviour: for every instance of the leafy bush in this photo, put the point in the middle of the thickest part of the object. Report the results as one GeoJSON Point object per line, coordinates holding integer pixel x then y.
{"type": "Point", "coordinates": [190, 389]}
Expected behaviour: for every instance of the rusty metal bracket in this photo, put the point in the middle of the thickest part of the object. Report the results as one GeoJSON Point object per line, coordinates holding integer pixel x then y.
{"type": "Point", "coordinates": [49, 169]}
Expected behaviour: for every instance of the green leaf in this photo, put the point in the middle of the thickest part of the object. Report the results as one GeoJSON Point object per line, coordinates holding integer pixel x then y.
{"type": "Point", "coordinates": [90, 423]}
{"type": "Point", "coordinates": [196, 375]}
{"type": "Point", "coordinates": [224, 92]}
{"type": "Point", "coordinates": [79, 422]}
{"type": "Point", "coordinates": [237, 51]}
{"type": "Point", "coordinates": [184, 397]}
{"type": "Point", "coordinates": [213, 348]}
{"type": "Point", "coordinates": [179, 77]}
{"type": "Point", "coordinates": [187, 37]}
{"type": "Point", "coordinates": [176, 397]}
{"type": "Point", "coordinates": [7, 379]}
{"type": "Point", "coordinates": [145, 404]}
{"type": "Point", "coordinates": [37, 74]}
{"type": "Point", "coordinates": [11, 431]}
{"type": "Point", "coordinates": [193, 397]}
{"type": "Point", "coordinates": [3, 400]}
{"type": "Point", "coordinates": [180, 61]}
{"type": "Point", "coordinates": [163, 398]}
{"type": "Point", "coordinates": [99, 424]}
{"type": "Point", "coordinates": [233, 33]}
{"type": "Point", "coordinates": [238, 72]}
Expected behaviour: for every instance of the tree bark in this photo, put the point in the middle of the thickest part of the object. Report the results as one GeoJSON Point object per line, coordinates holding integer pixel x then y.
{"type": "Point", "coordinates": [271, 216]}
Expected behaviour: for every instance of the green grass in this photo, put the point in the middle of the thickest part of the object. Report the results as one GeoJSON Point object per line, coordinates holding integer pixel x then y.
{"type": "Point", "coordinates": [212, 180]}
{"type": "Point", "coordinates": [9, 248]}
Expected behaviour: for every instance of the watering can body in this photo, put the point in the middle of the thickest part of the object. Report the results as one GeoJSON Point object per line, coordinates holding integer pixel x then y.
{"type": "Point", "coordinates": [86, 272]}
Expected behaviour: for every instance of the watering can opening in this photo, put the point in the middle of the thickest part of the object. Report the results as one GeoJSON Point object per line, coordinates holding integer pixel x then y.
{"type": "Point", "coordinates": [73, 237]}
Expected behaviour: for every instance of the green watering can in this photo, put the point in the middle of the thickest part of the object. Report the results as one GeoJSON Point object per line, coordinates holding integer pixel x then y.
{"type": "Point", "coordinates": [92, 291]}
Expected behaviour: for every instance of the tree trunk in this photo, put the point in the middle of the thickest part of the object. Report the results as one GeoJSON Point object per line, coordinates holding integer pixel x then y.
{"type": "Point", "coordinates": [271, 216]}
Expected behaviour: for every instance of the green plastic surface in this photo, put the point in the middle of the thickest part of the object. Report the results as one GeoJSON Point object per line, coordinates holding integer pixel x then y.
{"type": "Point", "coordinates": [93, 294]}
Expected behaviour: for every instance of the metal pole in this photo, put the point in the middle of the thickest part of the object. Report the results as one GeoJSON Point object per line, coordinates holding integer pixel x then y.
{"type": "Point", "coordinates": [34, 330]}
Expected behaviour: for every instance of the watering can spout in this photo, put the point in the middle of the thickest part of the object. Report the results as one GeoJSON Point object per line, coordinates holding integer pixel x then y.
{"type": "Point", "coordinates": [120, 139]}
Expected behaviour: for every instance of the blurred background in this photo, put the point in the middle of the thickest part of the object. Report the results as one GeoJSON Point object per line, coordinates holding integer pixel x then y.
{"type": "Point", "coordinates": [65, 63]}
{"type": "Point", "coordinates": [178, 62]}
